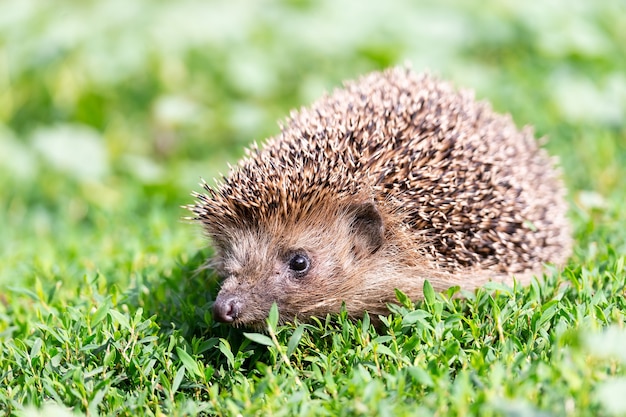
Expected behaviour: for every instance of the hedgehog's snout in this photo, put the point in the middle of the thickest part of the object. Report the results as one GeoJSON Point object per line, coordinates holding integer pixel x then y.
{"type": "Point", "coordinates": [227, 308]}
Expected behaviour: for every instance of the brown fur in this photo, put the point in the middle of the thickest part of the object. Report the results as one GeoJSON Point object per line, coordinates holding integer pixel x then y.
{"type": "Point", "coordinates": [393, 180]}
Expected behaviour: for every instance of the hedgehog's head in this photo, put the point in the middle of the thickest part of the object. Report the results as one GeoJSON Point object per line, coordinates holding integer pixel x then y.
{"type": "Point", "coordinates": [307, 261]}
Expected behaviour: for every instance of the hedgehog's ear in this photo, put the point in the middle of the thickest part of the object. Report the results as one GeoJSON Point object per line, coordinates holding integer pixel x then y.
{"type": "Point", "coordinates": [367, 228]}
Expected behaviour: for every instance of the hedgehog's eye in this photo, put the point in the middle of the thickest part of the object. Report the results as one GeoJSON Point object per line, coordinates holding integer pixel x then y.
{"type": "Point", "coordinates": [299, 263]}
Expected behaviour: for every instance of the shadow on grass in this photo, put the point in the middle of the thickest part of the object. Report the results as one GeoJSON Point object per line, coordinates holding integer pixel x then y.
{"type": "Point", "coordinates": [180, 301]}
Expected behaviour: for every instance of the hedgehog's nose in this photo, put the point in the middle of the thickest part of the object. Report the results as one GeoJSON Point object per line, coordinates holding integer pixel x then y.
{"type": "Point", "coordinates": [226, 309]}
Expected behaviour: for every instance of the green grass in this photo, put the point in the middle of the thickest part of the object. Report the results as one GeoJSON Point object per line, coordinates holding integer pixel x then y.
{"type": "Point", "coordinates": [110, 112]}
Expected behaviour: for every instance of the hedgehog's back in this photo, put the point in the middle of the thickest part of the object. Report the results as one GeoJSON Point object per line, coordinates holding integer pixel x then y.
{"type": "Point", "coordinates": [476, 190]}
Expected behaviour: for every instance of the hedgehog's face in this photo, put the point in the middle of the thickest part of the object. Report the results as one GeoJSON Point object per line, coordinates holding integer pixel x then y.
{"type": "Point", "coordinates": [307, 268]}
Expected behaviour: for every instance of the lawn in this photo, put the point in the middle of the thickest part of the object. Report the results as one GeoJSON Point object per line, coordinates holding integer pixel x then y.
{"type": "Point", "coordinates": [111, 112]}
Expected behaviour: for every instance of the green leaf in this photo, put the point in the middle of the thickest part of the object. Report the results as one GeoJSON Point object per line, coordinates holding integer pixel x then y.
{"type": "Point", "coordinates": [109, 357]}
{"type": "Point", "coordinates": [259, 338]}
{"type": "Point", "coordinates": [420, 376]}
{"type": "Point", "coordinates": [272, 319]}
{"type": "Point", "coordinates": [34, 351]}
{"type": "Point", "coordinates": [178, 378]}
{"type": "Point", "coordinates": [416, 316]}
{"type": "Point", "coordinates": [120, 319]}
{"type": "Point", "coordinates": [188, 361]}
{"type": "Point", "coordinates": [224, 347]}
{"type": "Point", "coordinates": [100, 314]}
{"type": "Point", "coordinates": [294, 340]}
{"type": "Point", "coordinates": [403, 299]}
{"type": "Point", "coordinates": [384, 350]}
{"type": "Point", "coordinates": [429, 293]}
{"type": "Point", "coordinates": [365, 325]}
{"type": "Point", "coordinates": [39, 289]}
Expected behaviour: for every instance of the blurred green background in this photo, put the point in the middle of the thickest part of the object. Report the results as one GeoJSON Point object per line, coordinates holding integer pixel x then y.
{"type": "Point", "coordinates": [111, 111]}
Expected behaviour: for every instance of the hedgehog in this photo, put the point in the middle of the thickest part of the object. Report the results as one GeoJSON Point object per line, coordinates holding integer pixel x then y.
{"type": "Point", "coordinates": [392, 180]}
